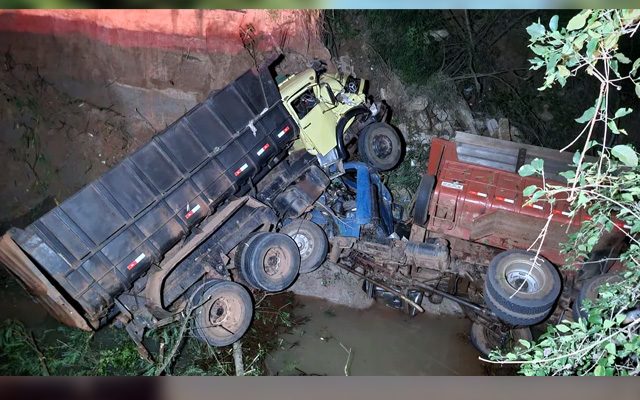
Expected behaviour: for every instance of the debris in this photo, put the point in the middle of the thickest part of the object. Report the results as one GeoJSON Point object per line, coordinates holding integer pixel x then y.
{"type": "Point", "coordinates": [237, 358]}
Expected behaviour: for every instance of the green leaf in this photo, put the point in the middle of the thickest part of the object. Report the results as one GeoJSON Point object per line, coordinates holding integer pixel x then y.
{"type": "Point", "coordinates": [578, 21]}
{"type": "Point", "coordinates": [622, 112]}
{"type": "Point", "coordinates": [563, 71]}
{"type": "Point", "coordinates": [539, 50]}
{"type": "Point", "coordinates": [587, 115]}
{"type": "Point", "coordinates": [568, 175]}
{"type": "Point", "coordinates": [591, 46]}
{"type": "Point", "coordinates": [529, 190]}
{"type": "Point", "coordinates": [638, 89]}
{"type": "Point", "coordinates": [626, 155]}
{"type": "Point", "coordinates": [536, 30]}
{"type": "Point", "coordinates": [526, 170]}
{"type": "Point", "coordinates": [610, 347]}
{"type": "Point", "coordinates": [622, 58]}
{"type": "Point", "coordinates": [635, 66]}
{"type": "Point", "coordinates": [553, 24]}
{"type": "Point", "coordinates": [576, 157]}
{"type": "Point", "coordinates": [562, 328]}
{"type": "Point", "coordinates": [628, 197]}
{"type": "Point", "coordinates": [537, 163]}
{"type": "Point", "coordinates": [524, 343]}
{"type": "Point", "coordinates": [614, 128]}
{"type": "Point", "coordinates": [599, 371]}
{"type": "Point", "coordinates": [611, 41]}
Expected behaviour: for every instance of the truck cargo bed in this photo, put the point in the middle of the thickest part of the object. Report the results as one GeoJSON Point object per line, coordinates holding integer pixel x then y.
{"type": "Point", "coordinates": [95, 244]}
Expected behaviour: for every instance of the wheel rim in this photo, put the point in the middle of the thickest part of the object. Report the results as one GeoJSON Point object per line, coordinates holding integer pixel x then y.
{"type": "Point", "coordinates": [276, 262]}
{"type": "Point", "coordinates": [524, 277]}
{"type": "Point", "coordinates": [381, 146]}
{"type": "Point", "coordinates": [224, 315]}
{"type": "Point", "coordinates": [305, 245]}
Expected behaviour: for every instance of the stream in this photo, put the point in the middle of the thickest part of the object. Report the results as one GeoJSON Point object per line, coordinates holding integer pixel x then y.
{"type": "Point", "coordinates": [383, 341]}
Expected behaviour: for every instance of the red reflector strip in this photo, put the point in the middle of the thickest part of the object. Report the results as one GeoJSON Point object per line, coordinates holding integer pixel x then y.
{"type": "Point", "coordinates": [282, 132]}
{"type": "Point", "coordinates": [500, 198]}
{"type": "Point", "coordinates": [241, 169]}
{"type": "Point", "coordinates": [263, 149]}
{"type": "Point", "coordinates": [193, 211]}
{"type": "Point", "coordinates": [480, 194]}
{"type": "Point", "coordinates": [135, 262]}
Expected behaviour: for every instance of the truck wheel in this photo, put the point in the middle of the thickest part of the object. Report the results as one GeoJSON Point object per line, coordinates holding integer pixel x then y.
{"type": "Point", "coordinates": [486, 340]}
{"type": "Point", "coordinates": [511, 317]}
{"type": "Point", "coordinates": [380, 146]}
{"type": "Point", "coordinates": [269, 261]}
{"type": "Point", "coordinates": [223, 313]}
{"type": "Point", "coordinates": [312, 243]}
{"type": "Point", "coordinates": [590, 291]}
{"type": "Point", "coordinates": [423, 197]}
{"type": "Point", "coordinates": [518, 286]}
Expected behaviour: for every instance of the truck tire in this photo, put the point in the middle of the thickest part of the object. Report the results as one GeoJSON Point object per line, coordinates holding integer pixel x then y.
{"type": "Point", "coordinates": [380, 146]}
{"type": "Point", "coordinates": [513, 283]}
{"type": "Point", "coordinates": [423, 197]}
{"type": "Point", "coordinates": [223, 312]}
{"type": "Point", "coordinates": [312, 243]}
{"type": "Point", "coordinates": [511, 317]}
{"type": "Point", "coordinates": [590, 291]}
{"type": "Point", "coordinates": [486, 340]}
{"type": "Point", "coordinates": [269, 261]}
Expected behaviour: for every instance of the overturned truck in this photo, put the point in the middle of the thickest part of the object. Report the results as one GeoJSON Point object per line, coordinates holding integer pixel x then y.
{"type": "Point", "coordinates": [151, 240]}
{"type": "Point", "coordinates": [468, 239]}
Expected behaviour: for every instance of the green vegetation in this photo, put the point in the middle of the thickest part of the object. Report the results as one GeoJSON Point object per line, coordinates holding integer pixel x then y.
{"type": "Point", "coordinates": [608, 189]}
{"type": "Point", "coordinates": [110, 351]}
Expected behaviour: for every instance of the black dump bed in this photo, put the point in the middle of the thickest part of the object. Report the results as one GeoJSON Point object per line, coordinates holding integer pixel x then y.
{"type": "Point", "coordinates": [96, 243]}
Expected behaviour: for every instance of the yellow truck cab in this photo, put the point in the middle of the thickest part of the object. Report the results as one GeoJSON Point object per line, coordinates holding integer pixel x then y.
{"type": "Point", "coordinates": [332, 110]}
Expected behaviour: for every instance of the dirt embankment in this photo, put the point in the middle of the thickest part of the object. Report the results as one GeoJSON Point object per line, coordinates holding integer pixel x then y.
{"type": "Point", "coordinates": [81, 89]}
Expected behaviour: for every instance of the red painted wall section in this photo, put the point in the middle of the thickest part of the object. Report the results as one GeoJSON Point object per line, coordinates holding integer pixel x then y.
{"type": "Point", "coordinates": [198, 30]}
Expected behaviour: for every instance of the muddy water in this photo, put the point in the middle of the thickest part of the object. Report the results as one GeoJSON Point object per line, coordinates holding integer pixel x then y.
{"type": "Point", "coordinates": [382, 342]}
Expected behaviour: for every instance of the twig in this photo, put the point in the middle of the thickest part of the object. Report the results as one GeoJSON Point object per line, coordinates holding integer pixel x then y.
{"type": "Point", "coordinates": [484, 74]}
{"type": "Point", "coordinates": [347, 364]}
{"type": "Point", "coordinates": [470, 49]}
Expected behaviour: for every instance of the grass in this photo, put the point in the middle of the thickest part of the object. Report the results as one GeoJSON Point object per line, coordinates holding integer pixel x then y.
{"type": "Point", "coordinates": [110, 351]}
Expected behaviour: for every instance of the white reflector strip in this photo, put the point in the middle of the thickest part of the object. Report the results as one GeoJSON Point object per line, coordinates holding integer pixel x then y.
{"type": "Point", "coordinates": [537, 207]}
{"type": "Point", "coordinates": [135, 262]}
{"type": "Point", "coordinates": [241, 169]}
{"type": "Point", "coordinates": [452, 185]}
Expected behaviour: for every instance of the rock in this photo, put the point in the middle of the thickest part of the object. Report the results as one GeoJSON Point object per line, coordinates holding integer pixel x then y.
{"type": "Point", "coordinates": [404, 129]}
{"type": "Point", "coordinates": [418, 103]}
{"type": "Point", "coordinates": [423, 122]}
{"type": "Point", "coordinates": [439, 34]}
{"type": "Point", "coordinates": [517, 135]}
{"type": "Point", "coordinates": [447, 307]}
{"type": "Point", "coordinates": [440, 114]}
{"type": "Point", "coordinates": [345, 65]}
{"type": "Point", "coordinates": [333, 284]}
{"type": "Point", "coordinates": [444, 127]}
{"type": "Point", "coordinates": [402, 197]}
{"type": "Point", "coordinates": [464, 116]}
{"type": "Point", "coordinates": [492, 127]}
{"type": "Point", "coordinates": [503, 129]}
